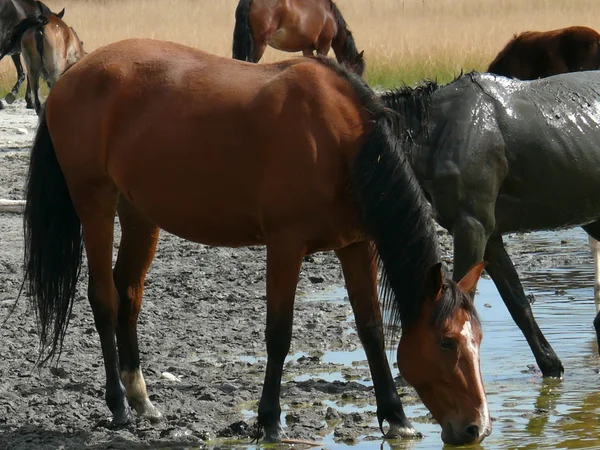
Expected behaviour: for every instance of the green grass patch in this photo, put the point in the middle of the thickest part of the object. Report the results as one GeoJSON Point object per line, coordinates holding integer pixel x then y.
{"type": "Point", "coordinates": [391, 74]}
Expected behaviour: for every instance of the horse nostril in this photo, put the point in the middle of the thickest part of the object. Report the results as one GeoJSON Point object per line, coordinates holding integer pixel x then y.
{"type": "Point", "coordinates": [472, 431]}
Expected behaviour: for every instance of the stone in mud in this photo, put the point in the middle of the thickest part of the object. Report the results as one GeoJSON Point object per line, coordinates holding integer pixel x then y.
{"type": "Point", "coordinates": [170, 377]}
{"type": "Point", "coordinates": [238, 429]}
{"type": "Point", "coordinates": [228, 388]}
{"type": "Point", "coordinates": [332, 414]}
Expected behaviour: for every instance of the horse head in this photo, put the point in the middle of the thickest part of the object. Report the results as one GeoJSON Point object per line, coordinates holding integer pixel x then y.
{"type": "Point", "coordinates": [438, 355]}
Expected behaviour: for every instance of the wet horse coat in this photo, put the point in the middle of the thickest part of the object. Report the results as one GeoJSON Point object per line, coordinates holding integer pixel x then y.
{"type": "Point", "coordinates": [539, 54]}
{"type": "Point", "coordinates": [292, 155]}
{"type": "Point", "coordinates": [497, 156]}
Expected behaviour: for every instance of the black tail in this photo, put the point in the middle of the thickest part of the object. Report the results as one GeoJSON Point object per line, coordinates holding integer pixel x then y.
{"type": "Point", "coordinates": [53, 243]}
{"type": "Point", "coordinates": [243, 41]}
{"type": "Point", "coordinates": [39, 45]}
{"type": "Point", "coordinates": [17, 34]}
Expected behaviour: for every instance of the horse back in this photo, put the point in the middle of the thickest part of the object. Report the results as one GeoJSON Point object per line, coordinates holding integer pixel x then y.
{"type": "Point", "coordinates": [230, 136]}
{"type": "Point", "coordinates": [537, 54]}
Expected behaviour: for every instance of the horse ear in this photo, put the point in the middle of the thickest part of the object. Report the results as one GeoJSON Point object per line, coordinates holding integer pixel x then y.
{"type": "Point", "coordinates": [434, 282]}
{"type": "Point", "coordinates": [468, 283]}
{"type": "Point", "coordinates": [61, 13]}
{"type": "Point", "coordinates": [360, 55]}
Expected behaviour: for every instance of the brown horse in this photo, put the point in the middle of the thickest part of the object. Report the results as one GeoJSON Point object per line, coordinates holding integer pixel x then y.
{"type": "Point", "coordinates": [539, 54]}
{"type": "Point", "coordinates": [12, 12]}
{"type": "Point", "coordinates": [294, 156]}
{"type": "Point", "coordinates": [48, 46]}
{"type": "Point", "coordinates": [294, 26]}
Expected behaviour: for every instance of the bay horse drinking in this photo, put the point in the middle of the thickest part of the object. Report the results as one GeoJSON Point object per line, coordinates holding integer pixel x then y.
{"type": "Point", "coordinates": [294, 26]}
{"type": "Point", "coordinates": [294, 156]}
{"type": "Point", "coordinates": [49, 46]}
{"type": "Point", "coordinates": [12, 12]}
{"type": "Point", "coordinates": [539, 54]}
{"type": "Point", "coordinates": [498, 156]}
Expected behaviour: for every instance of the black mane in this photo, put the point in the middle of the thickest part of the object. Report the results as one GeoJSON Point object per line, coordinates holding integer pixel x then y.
{"type": "Point", "coordinates": [395, 213]}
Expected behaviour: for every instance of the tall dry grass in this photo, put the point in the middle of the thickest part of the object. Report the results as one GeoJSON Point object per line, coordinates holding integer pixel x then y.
{"type": "Point", "coordinates": [404, 40]}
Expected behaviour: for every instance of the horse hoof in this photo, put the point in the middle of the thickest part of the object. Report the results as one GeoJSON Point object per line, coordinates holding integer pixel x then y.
{"type": "Point", "coordinates": [1, 105]}
{"type": "Point", "coordinates": [553, 371]}
{"type": "Point", "coordinates": [29, 106]}
{"type": "Point", "coordinates": [10, 98]}
{"type": "Point", "coordinates": [272, 435]}
{"type": "Point", "coordinates": [122, 418]}
{"type": "Point", "coordinates": [402, 431]}
{"type": "Point", "coordinates": [151, 413]}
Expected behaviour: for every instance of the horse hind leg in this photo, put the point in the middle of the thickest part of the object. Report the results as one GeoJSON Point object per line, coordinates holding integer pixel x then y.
{"type": "Point", "coordinates": [12, 95]}
{"type": "Point", "coordinates": [593, 231]}
{"type": "Point", "coordinates": [284, 260]}
{"type": "Point", "coordinates": [97, 210]}
{"type": "Point", "coordinates": [595, 249]}
{"type": "Point", "coordinates": [505, 277]}
{"type": "Point", "coordinates": [360, 273]}
{"type": "Point", "coordinates": [136, 251]}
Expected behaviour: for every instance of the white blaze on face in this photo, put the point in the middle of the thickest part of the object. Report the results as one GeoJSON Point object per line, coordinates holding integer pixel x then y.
{"type": "Point", "coordinates": [467, 332]}
{"type": "Point", "coordinates": [472, 347]}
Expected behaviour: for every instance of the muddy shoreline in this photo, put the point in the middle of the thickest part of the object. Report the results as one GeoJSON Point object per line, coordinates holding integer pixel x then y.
{"type": "Point", "coordinates": [202, 321]}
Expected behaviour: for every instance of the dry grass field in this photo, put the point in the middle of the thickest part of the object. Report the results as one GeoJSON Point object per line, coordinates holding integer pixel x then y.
{"type": "Point", "coordinates": [404, 40]}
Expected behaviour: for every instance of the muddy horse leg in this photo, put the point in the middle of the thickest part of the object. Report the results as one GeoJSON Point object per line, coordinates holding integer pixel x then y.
{"type": "Point", "coordinates": [360, 273]}
{"type": "Point", "coordinates": [98, 226]}
{"type": "Point", "coordinates": [506, 279]}
{"type": "Point", "coordinates": [136, 251]}
{"type": "Point", "coordinates": [12, 95]}
{"type": "Point", "coordinates": [284, 260]}
{"type": "Point", "coordinates": [593, 231]}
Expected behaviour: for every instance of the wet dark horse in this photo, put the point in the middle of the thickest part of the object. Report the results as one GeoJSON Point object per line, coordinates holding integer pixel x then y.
{"type": "Point", "coordinates": [12, 12]}
{"type": "Point", "coordinates": [496, 155]}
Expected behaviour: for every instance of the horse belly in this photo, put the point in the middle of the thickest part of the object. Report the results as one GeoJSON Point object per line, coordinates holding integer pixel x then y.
{"type": "Point", "coordinates": [555, 190]}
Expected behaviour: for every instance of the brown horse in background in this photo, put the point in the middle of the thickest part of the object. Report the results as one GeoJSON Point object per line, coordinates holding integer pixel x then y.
{"type": "Point", "coordinates": [539, 54]}
{"type": "Point", "coordinates": [294, 26]}
{"type": "Point", "coordinates": [293, 156]}
{"type": "Point", "coordinates": [13, 12]}
{"type": "Point", "coordinates": [49, 46]}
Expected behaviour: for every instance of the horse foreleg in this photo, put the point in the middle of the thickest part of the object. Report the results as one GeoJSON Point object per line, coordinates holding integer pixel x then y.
{"type": "Point", "coordinates": [136, 251]}
{"type": "Point", "coordinates": [12, 95]}
{"type": "Point", "coordinates": [284, 260]}
{"type": "Point", "coordinates": [506, 279]}
{"type": "Point", "coordinates": [98, 226]}
{"type": "Point", "coordinates": [359, 266]}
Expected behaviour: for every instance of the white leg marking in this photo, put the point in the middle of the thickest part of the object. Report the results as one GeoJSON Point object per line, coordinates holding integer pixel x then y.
{"type": "Point", "coordinates": [595, 248]}
{"type": "Point", "coordinates": [135, 386]}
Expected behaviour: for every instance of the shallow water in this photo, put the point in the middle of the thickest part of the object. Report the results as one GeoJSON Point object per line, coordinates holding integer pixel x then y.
{"type": "Point", "coordinates": [528, 411]}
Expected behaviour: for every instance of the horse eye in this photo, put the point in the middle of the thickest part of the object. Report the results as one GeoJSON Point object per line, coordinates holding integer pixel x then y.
{"type": "Point", "coordinates": [448, 344]}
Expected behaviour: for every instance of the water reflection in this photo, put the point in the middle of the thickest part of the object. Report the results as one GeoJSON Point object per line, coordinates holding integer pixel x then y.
{"type": "Point", "coordinates": [529, 412]}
